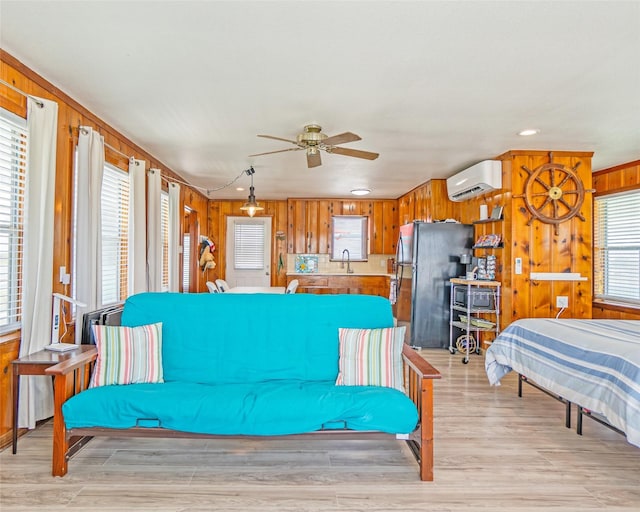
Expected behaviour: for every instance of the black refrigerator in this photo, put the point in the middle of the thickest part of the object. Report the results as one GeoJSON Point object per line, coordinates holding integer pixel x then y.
{"type": "Point", "coordinates": [428, 255]}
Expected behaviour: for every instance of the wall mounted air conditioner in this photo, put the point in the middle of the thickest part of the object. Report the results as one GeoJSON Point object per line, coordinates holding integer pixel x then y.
{"type": "Point", "coordinates": [477, 179]}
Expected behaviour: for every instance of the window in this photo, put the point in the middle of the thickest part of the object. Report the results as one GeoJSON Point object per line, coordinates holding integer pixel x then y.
{"type": "Point", "coordinates": [349, 233]}
{"type": "Point", "coordinates": [115, 235]}
{"type": "Point", "coordinates": [164, 228]}
{"type": "Point", "coordinates": [249, 246]}
{"type": "Point", "coordinates": [13, 153]}
{"type": "Point", "coordinates": [617, 247]}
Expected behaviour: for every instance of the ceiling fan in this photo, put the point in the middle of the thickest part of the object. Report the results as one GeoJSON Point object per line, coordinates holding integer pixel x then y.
{"type": "Point", "coordinates": [312, 140]}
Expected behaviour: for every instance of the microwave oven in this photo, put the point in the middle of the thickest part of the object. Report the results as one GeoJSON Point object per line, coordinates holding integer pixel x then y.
{"type": "Point", "coordinates": [479, 299]}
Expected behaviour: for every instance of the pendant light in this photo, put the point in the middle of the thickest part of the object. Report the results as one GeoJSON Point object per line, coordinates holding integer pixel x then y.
{"type": "Point", "coordinates": [251, 206]}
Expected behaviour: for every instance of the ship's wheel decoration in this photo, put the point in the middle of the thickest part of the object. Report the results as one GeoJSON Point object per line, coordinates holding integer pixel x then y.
{"type": "Point", "coordinates": [553, 194]}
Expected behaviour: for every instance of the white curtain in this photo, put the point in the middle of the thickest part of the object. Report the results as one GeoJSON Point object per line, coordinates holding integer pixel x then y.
{"type": "Point", "coordinates": [137, 268]}
{"type": "Point", "coordinates": [90, 169]}
{"type": "Point", "coordinates": [36, 392]}
{"type": "Point", "coordinates": [174, 237]}
{"type": "Point", "coordinates": [154, 231]}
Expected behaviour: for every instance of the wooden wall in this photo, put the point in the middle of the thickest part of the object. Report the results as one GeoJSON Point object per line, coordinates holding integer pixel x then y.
{"type": "Point", "coordinates": [305, 225]}
{"type": "Point", "coordinates": [218, 211]}
{"type": "Point", "coordinates": [537, 243]}
{"type": "Point", "coordinates": [541, 249]}
{"type": "Point", "coordinates": [620, 178]}
{"type": "Point", "coordinates": [428, 202]}
{"type": "Point", "coordinates": [71, 115]}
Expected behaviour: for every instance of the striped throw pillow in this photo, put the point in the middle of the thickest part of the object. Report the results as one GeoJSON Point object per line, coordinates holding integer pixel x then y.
{"type": "Point", "coordinates": [371, 357]}
{"type": "Point", "coordinates": [127, 355]}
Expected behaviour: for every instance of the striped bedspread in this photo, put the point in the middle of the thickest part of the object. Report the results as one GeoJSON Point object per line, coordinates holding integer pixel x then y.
{"type": "Point", "coordinates": [592, 363]}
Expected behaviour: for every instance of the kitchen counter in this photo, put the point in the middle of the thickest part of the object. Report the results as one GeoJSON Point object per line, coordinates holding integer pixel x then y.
{"type": "Point", "coordinates": [341, 273]}
{"type": "Point", "coordinates": [366, 283]}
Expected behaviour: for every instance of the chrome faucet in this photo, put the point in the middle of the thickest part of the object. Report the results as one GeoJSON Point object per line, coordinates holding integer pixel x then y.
{"type": "Point", "coordinates": [349, 269]}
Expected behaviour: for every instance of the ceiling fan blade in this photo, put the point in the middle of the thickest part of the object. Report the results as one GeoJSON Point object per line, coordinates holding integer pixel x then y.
{"type": "Point", "coordinates": [279, 151]}
{"type": "Point", "coordinates": [278, 138]}
{"type": "Point", "coordinates": [354, 152]}
{"type": "Point", "coordinates": [341, 139]}
{"type": "Point", "coordinates": [313, 159]}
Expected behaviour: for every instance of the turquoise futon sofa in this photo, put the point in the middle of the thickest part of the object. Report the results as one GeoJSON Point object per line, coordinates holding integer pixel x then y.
{"type": "Point", "coordinates": [241, 365]}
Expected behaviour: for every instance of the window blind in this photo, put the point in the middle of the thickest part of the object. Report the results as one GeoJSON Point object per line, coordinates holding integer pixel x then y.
{"type": "Point", "coordinates": [186, 263]}
{"type": "Point", "coordinates": [617, 247]}
{"type": "Point", "coordinates": [249, 246]}
{"type": "Point", "coordinates": [115, 234]}
{"type": "Point", "coordinates": [164, 228]}
{"type": "Point", "coordinates": [13, 168]}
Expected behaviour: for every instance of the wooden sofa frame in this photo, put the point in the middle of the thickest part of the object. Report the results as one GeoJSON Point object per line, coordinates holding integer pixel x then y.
{"type": "Point", "coordinates": [72, 376]}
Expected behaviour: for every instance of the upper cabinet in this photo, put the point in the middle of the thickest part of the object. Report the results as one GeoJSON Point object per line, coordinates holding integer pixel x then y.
{"type": "Point", "coordinates": [429, 203]}
{"type": "Point", "coordinates": [303, 226]}
{"type": "Point", "coordinates": [309, 223]}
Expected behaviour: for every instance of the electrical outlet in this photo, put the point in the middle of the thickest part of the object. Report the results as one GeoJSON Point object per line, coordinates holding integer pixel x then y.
{"type": "Point", "coordinates": [562, 301]}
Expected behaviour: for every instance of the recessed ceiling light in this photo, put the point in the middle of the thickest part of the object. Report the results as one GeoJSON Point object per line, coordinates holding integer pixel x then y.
{"type": "Point", "coordinates": [360, 191]}
{"type": "Point", "coordinates": [239, 189]}
{"type": "Point", "coordinates": [529, 131]}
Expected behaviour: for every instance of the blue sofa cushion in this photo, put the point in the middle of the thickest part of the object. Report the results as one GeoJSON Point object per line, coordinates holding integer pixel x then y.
{"type": "Point", "coordinates": [220, 338]}
{"type": "Point", "coordinates": [268, 408]}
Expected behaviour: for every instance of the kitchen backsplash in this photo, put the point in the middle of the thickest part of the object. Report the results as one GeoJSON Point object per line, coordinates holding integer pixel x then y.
{"type": "Point", "coordinates": [377, 263]}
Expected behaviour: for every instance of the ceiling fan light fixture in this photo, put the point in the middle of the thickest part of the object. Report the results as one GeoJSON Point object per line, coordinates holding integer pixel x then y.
{"type": "Point", "coordinates": [313, 141]}
{"type": "Point", "coordinates": [360, 191]}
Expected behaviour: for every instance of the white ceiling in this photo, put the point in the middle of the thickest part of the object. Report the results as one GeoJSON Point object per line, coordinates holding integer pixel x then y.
{"type": "Point", "coordinates": [432, 86]}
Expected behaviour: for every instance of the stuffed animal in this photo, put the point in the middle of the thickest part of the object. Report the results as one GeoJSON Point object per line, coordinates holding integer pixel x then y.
{"type": "Point", "coordinates": [206, 255]}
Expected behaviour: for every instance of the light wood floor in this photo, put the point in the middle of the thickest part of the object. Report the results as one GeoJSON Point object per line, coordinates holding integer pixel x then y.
{"type": "Point", "coordinates": [493, 452]}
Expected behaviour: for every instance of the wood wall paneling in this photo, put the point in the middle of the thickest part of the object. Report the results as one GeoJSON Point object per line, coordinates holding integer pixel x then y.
{"type": "Point", "coordinates": [621, 178]}
{"type": "Point", "coordinates": [9, 347]}
{"type": "Point", "coordinates": [71, 115]}
{"type": "Point", "coordinates": [279, 211]}
{"type": "Point", "coordinates": [428, 202]}
{"type": "Point", "coordinates": [390, 229]}
{"type": "Point", "coordinates": [536, 243]}
{"type": "Point", "coordinates": [617, 179]}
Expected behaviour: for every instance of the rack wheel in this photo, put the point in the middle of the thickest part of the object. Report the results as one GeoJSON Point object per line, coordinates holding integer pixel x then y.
{"type": "Point", "coordinates": [452, 351]}
{"type": "Point", "coordinates": [465, 360]}
{"type": "Point", "coordinates": [478, 350]}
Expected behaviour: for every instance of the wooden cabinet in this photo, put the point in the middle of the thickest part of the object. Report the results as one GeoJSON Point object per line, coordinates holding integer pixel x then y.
{"type": "Point", "coordinates": [429, 203]}
{"type": "Point", "coordinates": [302, 221]}
{"type": "Point", "coordinates": [8, 352]}
{"type": "Point", "coordinates": [327, 284]}
{"type": "Point", "coordinates": [309, 224]}
{"type": "Point", "coordinates": [402, 307]}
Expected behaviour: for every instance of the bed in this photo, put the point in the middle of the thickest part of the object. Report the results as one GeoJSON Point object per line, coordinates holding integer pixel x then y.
{"type": "Point", "coordinates": [594, 364]}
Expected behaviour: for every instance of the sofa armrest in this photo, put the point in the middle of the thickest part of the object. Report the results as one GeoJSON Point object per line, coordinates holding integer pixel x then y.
{"type": "Point", "coordinates": [419, 377]}
{"type": "Point", "coordinates": [81, 359]}
{"type": "Point", "coordinates": [70, 377]}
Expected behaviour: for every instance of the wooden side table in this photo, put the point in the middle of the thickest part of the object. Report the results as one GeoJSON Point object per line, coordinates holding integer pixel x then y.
{"type": "Point", "coordinates": [36, 364]}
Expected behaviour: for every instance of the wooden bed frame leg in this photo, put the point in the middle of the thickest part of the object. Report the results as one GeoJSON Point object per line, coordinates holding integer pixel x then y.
{"type": "Point", "coordinates": [426, 434]}
{"type": "Point", "coordinates": [60, 443]}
